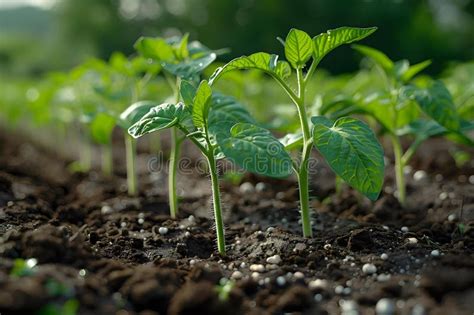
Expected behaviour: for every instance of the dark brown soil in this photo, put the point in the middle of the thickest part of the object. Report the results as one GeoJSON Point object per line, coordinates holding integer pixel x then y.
{"type": "Point", "coordinates": [96, 245]}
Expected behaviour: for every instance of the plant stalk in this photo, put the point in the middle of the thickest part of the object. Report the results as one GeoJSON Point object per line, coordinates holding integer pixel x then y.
{"type": "Point", "coordinates": [130, 147]}
{"type": "Point", "coordinates": [399, 166]}
{"type": "Point", "coordinates": [303, 184]}
{"type": "Point", "coordinates": [86, 156]}
{"type": "Point", "coordinates": [107, 159]}
{"type": "Point", "coordinates": [302, 173]}
{"type": "Point", "coordinates": [216, 198]}
{"type": "Point", "coordinates": [172, 172]}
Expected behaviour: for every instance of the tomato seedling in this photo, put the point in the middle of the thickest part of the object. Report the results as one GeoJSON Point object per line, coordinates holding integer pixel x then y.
{"type": "Point", "coordinates": [347, 144]}
{"type": "Point", "coordinates": [104, 90]}
{"type": "Point", "coordinates": [179, 60]}
{"type": "Point", "coordinates": [398, 108]}
{"type": "Point", "coordinates": [220, 127]}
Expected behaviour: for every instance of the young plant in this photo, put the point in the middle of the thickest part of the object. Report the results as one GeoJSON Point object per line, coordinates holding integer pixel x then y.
{"type": "Point", "coordinates": [179, 60]}
{"type": "Point", "coordinates": [103, 90]}
{"type": "Point", "coordinates": [347, 144]}
{"type": "Point", "coordinates": [398, 108]}
{"type": "Point", "coordinates": [136, 73]}
{"type": "Point", "coordinates": [219, 126]}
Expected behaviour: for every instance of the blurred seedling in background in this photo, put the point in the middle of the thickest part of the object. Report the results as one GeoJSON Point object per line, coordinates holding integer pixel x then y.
{"type": "Point", "coordinates": [179, 60]}
{"type": "Point", "coordinates": [420, 109]}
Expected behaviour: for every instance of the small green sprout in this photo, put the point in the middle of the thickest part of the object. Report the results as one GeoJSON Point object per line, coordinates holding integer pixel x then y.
{"type": "Point", "coordinates": [224, 288]}
{"type": "Point", "coordinates": [23, 268]}
{"type": "Point", "coordinates": [70, 307]}
{"type": "Point", "coordinates": [220, 127]}
{"type": "Point", "coordinates": [180, 60]}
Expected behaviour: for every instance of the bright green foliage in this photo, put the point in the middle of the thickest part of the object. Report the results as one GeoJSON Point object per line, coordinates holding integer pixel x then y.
{"type": "Point", "coordinates": [225, 112]}
{"type": "Point", "coordinates": [177, 56]}
{"type": "Point", "coordinates": [158, 118]}
{"type": "Point", "coordinates": [351, 142]}
{"type": "Point", "coordinates": [325, 42]}
{"type": "Point", "coordinates": [101, 128]}
{"type": "Point", "coordinates": [201, 105]}
{"type": "Point", "coordinates": [134, 113]}
{"type": "Point", "coordinates": [400, 108]}
{"type": "Point", "coordinates": [436, 102]}
{"type": "Point", "coordinates": [188, 91]}
{"type": "Point", "coordinates": [155, 48]}
{"type": "Point", "coordinates": [205, 109]}
{"type": "Point", "coordinates": [182, 63]}
{"type": "Point", "coordinates": [342, 144]}
{"type": "Point", "coordinates": [256, 150]}
{"type": "Point", "coordinates": [413, 70]}
{"type": "Point", "coordinates": [382, 59]}
{"type": "Point", "coordinates": [380, 105]}
{"type": "Point", "coordinates": [292, 141]}
{"type": "Point", "coordinates": [298, 48]}
{"type": "Point", "coordinates": [259, 61]}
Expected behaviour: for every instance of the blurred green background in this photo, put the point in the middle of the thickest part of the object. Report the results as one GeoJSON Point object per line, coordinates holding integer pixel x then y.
{"type": "Point", "coordinates": [37, 36]}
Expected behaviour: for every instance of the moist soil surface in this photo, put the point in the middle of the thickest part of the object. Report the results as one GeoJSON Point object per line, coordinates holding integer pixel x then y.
{"type": "Point", "coordinates": [97, 247]}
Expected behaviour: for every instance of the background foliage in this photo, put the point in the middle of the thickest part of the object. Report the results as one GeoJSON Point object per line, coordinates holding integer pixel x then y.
{"type": "Point", "coordinates": [36, 40]}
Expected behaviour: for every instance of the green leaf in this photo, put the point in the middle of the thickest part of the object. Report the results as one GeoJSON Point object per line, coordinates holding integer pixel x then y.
{"type": "Point", "coordinates": [101, 128]}
{"type": "Point", "coordinates": [182, 51]}
{"type": "Point", "coordinates": [141, 65]}
{"type": "Point", "coordinates": [389, 114]}
{"type": "Point", "coordinates": [325, 42]}
{"type": "Point", "coordinates": [201, 105]}
{"type": "Point", "coordinates": [189, 68]}
{"type": "Point", "coordinates": [119, 62]}
{"type": "Point", "coordinates": [260, 61]}
{"type": "Point", "coordinates": [321, 120]}
{"type": "Point", "coordinates": [188, 92]}
{"type": "Point", "coordinates": [155, 48]}
{"type": "Point", "coordinates": [422, 129]}
{"type": "Point", "coordinates": [376, 55]}
{"type": "Point", "coordinates": [292, 141]}
{"type": "Point", "coordinates": [225, 112]}
{"type": "Point", "coordinates": [134, 113]}
{"type": "Point", "coordinates": [256, 150]}
{"type": "Point", "coordinates": [353, 152]}
{"type": "Point", "coordinates": [159, 117]}
{"type": "Point", "coordinates": [400, 68]}
{"type": "Point", "coordinates": [298, 48]}
{"type": "Point", "coordinates": [436, 102]}
{"type": "Point", "coordinates": [414, 70]}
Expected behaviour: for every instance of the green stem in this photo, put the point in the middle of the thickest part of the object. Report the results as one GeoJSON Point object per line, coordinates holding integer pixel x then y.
{"type": "Point", "coordinates": [303, 184]}
{"type": "Point", "coordinates": [303, 181]}
{"type": "Point", "coordinates": [410, 152]}
{"type": "Point", "coordinates": [216, 198]}
{"type": "Point", "coordinates": [86, 156]}
{"type": "Point", "coordinates": [399, 165]}
{"type": "Point", "coordinates": [107, 159]}
{"type": "Point", "coordinates": [172, 172]}
{"type": "Point", "coordinates": [130, 147]}
{"type": "Point", "coordinates": [338, 184]}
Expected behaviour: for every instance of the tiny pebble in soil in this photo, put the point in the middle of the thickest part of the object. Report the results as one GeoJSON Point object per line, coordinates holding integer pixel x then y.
{"type": "Point", "coordinates": [369, 269]}
{"type": "Point", "coordinates": [163, 230]}
{"type": "Point", "coordinates": [385, 307]}
{"type": "Point", "coordinates": [275, 259]}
